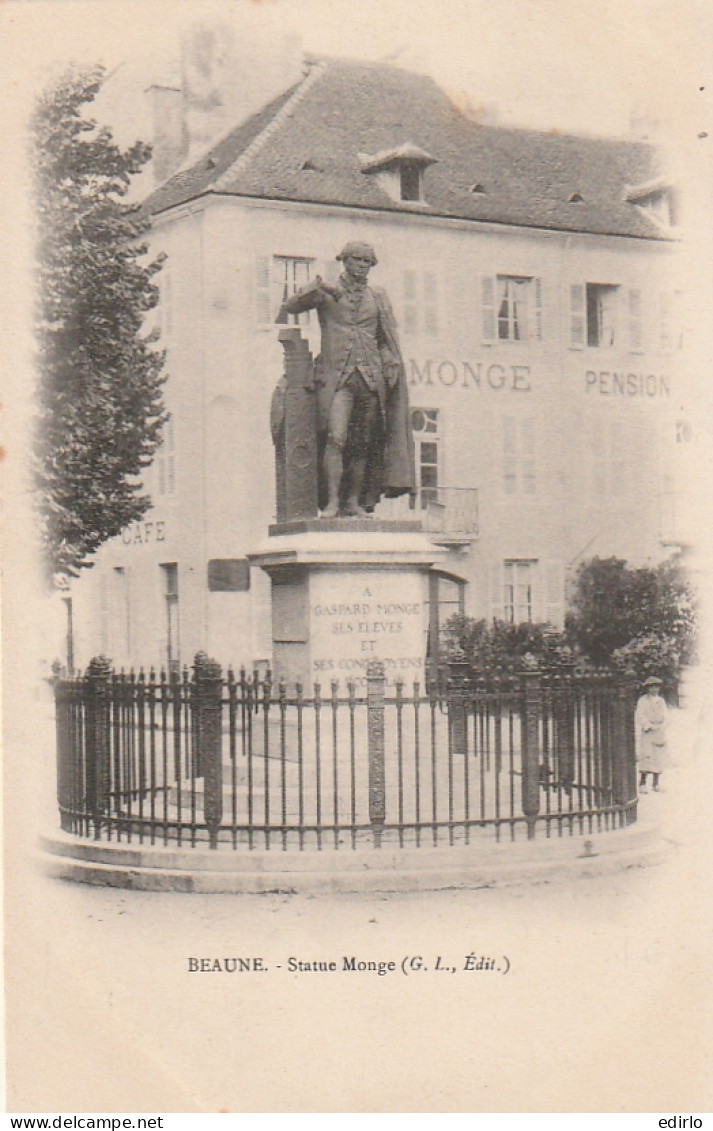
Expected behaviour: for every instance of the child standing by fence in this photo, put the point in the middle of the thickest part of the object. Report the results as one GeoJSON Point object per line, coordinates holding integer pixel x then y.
{"type": "Point", "coordinates": [651, 713]}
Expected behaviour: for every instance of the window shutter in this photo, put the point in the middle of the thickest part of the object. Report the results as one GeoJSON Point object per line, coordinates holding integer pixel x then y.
{"type": "Point", "coordinates": [577, 312]}
{"type": "Point", "coordinates": [635, 327]}
{"type": "Point", "coordinates": [554, 593]}
{"type": "Point", "coordinates": [510, 454]}
{"type": "Point", "coordinates": [430, 303]}
{"type": "Point", "coordinates": [164, 307]}
{"type": "Point", "coordinates": [170, 455]}
{"type": "Point", "coordinates": [488, 307]}
{"type": "Point", "coordinates": [410, 303]}
{"type": "Point", "coordinates": [496, 591]}
{"type": "Point", "coordinates": [538, 309]}
{"type": "Point", "coordinates": [103, 613]}
{"type": "Point", "coordinates": [168, 293]}
{"type": "Point", "coordinates": [263, 297]}
{"type": "Point", "coordinates": [527, 446]}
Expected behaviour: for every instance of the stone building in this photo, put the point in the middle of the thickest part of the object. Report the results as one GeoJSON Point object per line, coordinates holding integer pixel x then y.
{"type": "Point", "coordinates": [535, 282]}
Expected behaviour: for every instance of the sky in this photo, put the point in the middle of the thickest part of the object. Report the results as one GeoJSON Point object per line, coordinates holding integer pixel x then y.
{"type": "Point", "coordinates": [571, 65]}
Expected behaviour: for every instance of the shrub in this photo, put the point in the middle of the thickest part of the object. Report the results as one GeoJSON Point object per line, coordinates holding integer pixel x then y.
{"type": "Point", "coordinates": [501, 645]}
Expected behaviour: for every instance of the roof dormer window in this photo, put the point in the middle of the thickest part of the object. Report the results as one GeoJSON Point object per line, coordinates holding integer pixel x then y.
{"type": "Point", "coordinates": [411, 181]}
{"type": "Point", "coordinates": [657, 200]}
{"type": "Point", "coordinates": [399, 172]}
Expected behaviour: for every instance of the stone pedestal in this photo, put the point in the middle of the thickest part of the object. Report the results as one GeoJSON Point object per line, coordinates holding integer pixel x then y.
{"type": "Point", "coordinates": [346, 591]}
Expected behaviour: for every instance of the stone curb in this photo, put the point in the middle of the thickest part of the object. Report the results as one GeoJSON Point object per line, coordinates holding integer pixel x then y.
{"type": "Point", "coordinates": [478, 865]}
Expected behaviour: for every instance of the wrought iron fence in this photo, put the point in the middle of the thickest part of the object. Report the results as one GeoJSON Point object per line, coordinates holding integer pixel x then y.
{"type": "Point", "coordinates": [205, 757]}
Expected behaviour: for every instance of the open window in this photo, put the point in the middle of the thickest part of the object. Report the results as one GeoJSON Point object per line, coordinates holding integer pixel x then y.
{"type": "Point", "coordinates": [511, 308]}
{"type": "Point", "coordinates": [277, 278]}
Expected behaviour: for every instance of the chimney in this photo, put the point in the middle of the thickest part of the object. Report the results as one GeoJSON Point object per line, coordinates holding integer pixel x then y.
{"type": "Point", "coordinates": [227, 75]}
{"type": "Point", "coordinates": [170, 136]}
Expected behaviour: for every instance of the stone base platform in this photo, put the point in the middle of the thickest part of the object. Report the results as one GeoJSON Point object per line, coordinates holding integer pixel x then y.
{"type": "Point", "coordinates": [483, 863]}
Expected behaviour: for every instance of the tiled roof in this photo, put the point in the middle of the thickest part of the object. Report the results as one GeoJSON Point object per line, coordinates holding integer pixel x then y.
{"type": "Point", "coordinates": [309, 145]}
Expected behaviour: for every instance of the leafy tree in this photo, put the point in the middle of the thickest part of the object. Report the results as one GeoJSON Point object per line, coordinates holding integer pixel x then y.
{"type": "Point", "coordinates": [100, 411]}
{"type": "Point", "coordinates": [643, 618]}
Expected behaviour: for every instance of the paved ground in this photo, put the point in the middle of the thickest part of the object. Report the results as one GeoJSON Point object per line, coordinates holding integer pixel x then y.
{"type": "Point", "coordinates": [602, 1010]}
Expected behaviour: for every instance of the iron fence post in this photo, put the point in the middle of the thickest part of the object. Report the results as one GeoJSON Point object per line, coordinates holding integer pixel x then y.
{"type": "Point", "coordinates": [62, 707]}
{"type": "Point", "coordinates": [98, 740]}
{"type": "Point", "coordinates": [208, 710]}
{"type": "Point", "coordinates": [628, 726]}
{"type": "Point", "coordinates": [458, 669]}
{"type": "Point", "coordinates": [532, 708]}
{"type": "Point", "coordinates": [375, 683]}
{"type": "Point", "coordinates": [565, 738]}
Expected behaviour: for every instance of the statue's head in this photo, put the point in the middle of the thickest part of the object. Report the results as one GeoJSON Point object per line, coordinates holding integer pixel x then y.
{"type": "Point", "coordinates": [358, 258]}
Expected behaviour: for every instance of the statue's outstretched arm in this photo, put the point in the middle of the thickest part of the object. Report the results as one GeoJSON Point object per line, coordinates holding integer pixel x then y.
{"type": "Point", "coordinates": [313, 295]}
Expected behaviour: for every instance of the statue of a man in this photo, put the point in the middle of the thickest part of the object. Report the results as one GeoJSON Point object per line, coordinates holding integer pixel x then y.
{"type": "Point", "coordinates": [364, 429]}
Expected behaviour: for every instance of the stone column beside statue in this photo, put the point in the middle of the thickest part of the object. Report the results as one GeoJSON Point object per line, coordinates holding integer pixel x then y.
{"type": "Point", "coordinates": [293, 422]}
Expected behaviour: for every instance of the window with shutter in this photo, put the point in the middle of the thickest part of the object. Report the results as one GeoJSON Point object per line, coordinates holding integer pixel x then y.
{"type": "Point", "coordinates": [601, 314]}
{"type": "Point", "coordinates": [277, 278]}
{"type": "Point", "coordinates": [577, 321]}
{"type": "Point", "coordinates": [527, 462]}
{"type": "Point", "coordinates": [488, 308]}
{"type": "Point", "coordinates": [514, 297]}
{"type": "Point", "coordinates": [510, 454]}
{"type": "Point", "coordinates": [519, 456]}
{"type": "Point", "coordinates": [166, 459]}
{"type": "Point", "coordinates": [430, 304]}
{"type": "Point", "coordinates": [103, 613]}
{"type": "Point", "coordinates": [170, 455]}
{"type": "Point", "coordinates": [161, 469]}
{"type": "Point", "coordinates": [263, 294]}
{"type": "Point", "coordinates": [290, 274]}
{"type": "Point", "coordinates": [496, 591]}
{"type": "Point", "coordinates": [518, 299]}
{"type": "Point", "coordinates": [636, 337]}
{"type": "Point", "coordinates": [420, 305]}
{"type": "Point", "coordinates": [172, 647]}
{"type": "Point", "coordinates": [519, 591]}
{"type": "Point", "coordinates": [538, 309]}
{"type": "Point", "coordinates": [410, 303]}
{"type": "Point", "coordinates": [166, 301]}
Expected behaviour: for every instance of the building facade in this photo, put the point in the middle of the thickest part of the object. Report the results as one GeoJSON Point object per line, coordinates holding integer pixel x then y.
{"type": "Point", "coordinates": [535, 283]}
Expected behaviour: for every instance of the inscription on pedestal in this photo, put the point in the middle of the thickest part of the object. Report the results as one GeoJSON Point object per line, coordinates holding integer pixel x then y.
{"type": "Point", "coordinates": [358, 616]}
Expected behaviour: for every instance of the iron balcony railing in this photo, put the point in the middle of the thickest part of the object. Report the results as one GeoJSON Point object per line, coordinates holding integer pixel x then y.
{"type": "Point", "coordinates": [449, 514]}
{"type": "Point", "coordinates": [208, 758]}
